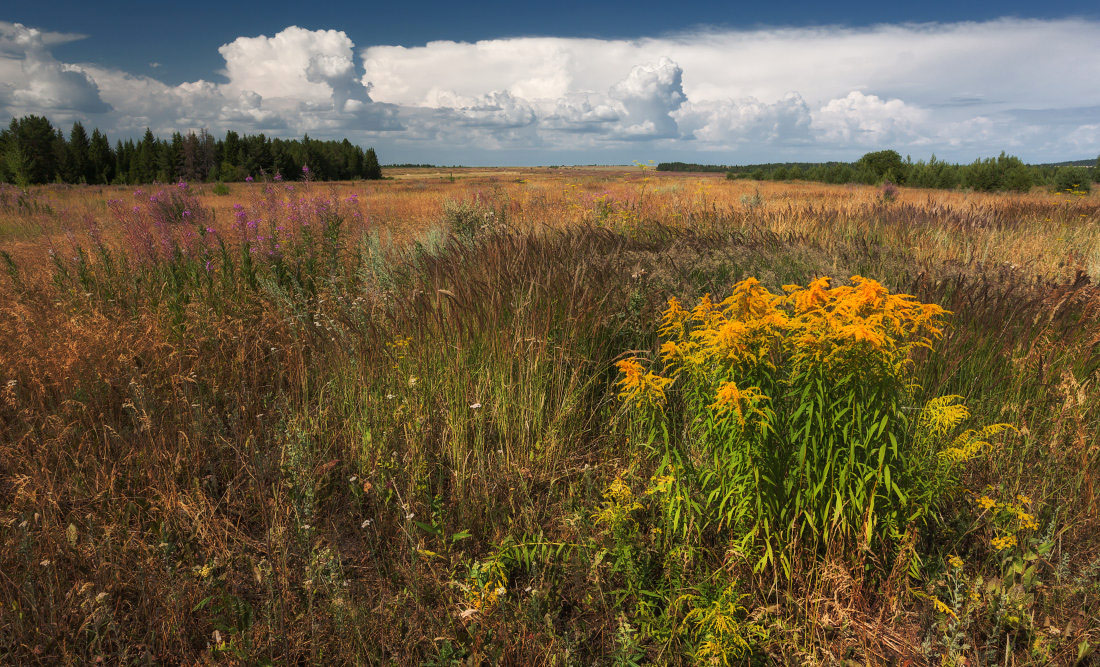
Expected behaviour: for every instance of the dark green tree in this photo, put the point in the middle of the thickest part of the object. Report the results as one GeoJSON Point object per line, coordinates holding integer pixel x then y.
{"type": "Point", "coordinates": [101, 158]}
{"type": "Point", "coordinates": [371, 169]}
{"type": "Point", "coordinates": [30, 154]}
{"type": "Point", "coordinates": [80, 156]}
{"type": "Point", "coordinates": [883, 165]}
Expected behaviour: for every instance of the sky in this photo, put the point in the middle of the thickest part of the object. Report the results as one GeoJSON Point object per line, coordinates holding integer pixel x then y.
{"type": "Point", "coordinates": [495, 83]}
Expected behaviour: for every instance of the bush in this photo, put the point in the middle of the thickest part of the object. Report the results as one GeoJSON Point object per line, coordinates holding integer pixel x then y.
{"type": "Point", "coordinates": [221, 189]}
{"type": "Point", "coordinates": [1072, 179]}
{"type": "Point", "coordinates": [783, 419]}
{"type": "Point", "coordinates": [882, 165]}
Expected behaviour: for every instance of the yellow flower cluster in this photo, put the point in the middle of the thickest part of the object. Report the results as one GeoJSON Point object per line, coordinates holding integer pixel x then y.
{"type": "Point", "coordinates": [753, 327]}
{"type": "Point", "coordinates": [1003, 542]}
{"type": "Point", "coordinates": [1012, 517]}
{"type": "Point", "coordinates": [639, 386]}
{"type": "Point", "coordinates": [619, 503]}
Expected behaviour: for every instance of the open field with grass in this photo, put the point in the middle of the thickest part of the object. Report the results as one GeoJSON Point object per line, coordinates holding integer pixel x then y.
{"type": "Point", "coordinates": [453, 418]}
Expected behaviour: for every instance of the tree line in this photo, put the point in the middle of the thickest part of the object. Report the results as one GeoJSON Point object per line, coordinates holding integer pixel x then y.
{"type": "Point", "coordinates": [1002, 173]}
{"type": "Point", "coordinates": [33, 151]}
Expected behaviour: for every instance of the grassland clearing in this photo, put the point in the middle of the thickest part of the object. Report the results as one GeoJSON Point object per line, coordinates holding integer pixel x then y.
{"type": "Point", "coordinates": [382, 423]}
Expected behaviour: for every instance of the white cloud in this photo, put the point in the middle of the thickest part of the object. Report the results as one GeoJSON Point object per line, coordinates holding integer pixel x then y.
{"type": "Point", "coordinates": [959, 90]}
{"type": "Point", "coordinates": [868, 120]}
{"type": "Point", "coordinates": [747, 120]}
{"type": "Point", "coordinates": [648, 95]}
{"type": "Point", "coordinates": [35, 82]}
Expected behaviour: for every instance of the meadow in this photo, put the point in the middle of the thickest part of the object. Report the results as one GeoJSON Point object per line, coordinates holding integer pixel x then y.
{"type": "Point", "coordinates": [548, 416]}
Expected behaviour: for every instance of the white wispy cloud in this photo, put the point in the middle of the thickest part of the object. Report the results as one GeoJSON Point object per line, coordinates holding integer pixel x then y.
{"type": "Point", "coordinates": [960, 90]}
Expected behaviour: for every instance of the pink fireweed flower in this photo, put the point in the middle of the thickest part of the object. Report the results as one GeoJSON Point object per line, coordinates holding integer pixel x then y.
{"type": "Point", "coordinates": [248, 179]}
{"type": "Point", "coordinates": [181, 185]}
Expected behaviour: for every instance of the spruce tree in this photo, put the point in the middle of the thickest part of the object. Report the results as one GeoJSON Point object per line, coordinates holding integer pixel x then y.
{"type": "Point", "coordinates": [371, 169]}
{"type": "Point", "coordinates": [80, 159]}
{"type": "Point", "coordinates": [101, 159]}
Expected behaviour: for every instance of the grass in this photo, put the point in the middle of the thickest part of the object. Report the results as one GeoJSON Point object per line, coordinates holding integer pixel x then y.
{"type": "Point", "coordinates": [385, 428]}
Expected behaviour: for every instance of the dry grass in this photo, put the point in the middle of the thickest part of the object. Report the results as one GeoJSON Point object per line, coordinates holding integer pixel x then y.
{"type": "Point", "coordinates": [288, 467]}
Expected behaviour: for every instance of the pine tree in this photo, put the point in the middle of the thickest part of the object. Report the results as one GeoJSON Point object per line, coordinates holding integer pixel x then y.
{"type": "Point", "coordinates": [371, 169]}
{"type": "Point", "coordinates": [80, 159]}
{"type": "Point", "coordinates": [101, 158]}
{"type": "Point", "coordinates": [30, 151]}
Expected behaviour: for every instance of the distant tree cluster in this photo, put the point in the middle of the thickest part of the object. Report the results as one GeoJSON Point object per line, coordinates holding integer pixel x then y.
{"type": "Point", "coordinates": [33, 151]}
{"type": "Point", "coordinates": [1001, 173]}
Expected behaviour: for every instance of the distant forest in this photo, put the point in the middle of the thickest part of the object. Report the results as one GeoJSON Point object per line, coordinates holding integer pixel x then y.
{"type": "Point", "coordinates": [33, 150]}
{"type": "Point", "coordinates": [1004, 172]}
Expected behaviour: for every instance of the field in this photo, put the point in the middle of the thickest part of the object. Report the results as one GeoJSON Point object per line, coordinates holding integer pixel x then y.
{"type": "Point", "coordinates": [452, 418]}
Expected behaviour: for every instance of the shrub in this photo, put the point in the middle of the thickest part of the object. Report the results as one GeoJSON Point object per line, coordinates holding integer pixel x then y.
{"type": "Point", "coordinates": [1072, 179]}
{"type": "Point", "coordinates": [783, 419]}
{"type": "Point", "coordinates": [221, 189]}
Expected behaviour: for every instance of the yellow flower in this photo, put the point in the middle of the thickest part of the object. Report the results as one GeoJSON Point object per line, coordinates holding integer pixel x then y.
{"type": "Point", "coordinates": [986, 502]}
{"type": "Point", "coordinates": [1002, 543]}
{"type": "Point", "coordinates": [639, 386]}
{"type": "Point", "coordinates": [955, 562]}
{"type": "Point", "coordinates": [731, 397]}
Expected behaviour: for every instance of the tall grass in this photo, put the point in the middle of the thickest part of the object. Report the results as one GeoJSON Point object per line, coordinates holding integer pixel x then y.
{"type": "Point", "coordinates": [346, 434]}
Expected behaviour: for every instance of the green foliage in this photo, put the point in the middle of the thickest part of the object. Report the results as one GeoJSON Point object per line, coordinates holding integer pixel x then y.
{"type": "Point", "coordinates": [1072, 180]}
{"type": "Point", "coordinates": [882, 166]}
{"type": "Point", "coordinates": [33, 152]}
{"type": "Point", "coordinates": [786, 423]}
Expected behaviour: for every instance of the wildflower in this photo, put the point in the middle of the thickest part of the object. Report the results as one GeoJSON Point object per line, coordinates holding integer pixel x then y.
{"type": "Point", "coordinates": [955, 562]}
{"type": "Point", "coordinates": [248, 179]}
{"type": "Point", "coordinates": [986, 502]}
{"type": "Point", "coordinates": [475, 406]}
{"type": "Point", "coordinates": [639, 386]}
{"type": "Point", "coordinates": [1005, 542]}
{"type": "Point", "coordinates": [732, 397]}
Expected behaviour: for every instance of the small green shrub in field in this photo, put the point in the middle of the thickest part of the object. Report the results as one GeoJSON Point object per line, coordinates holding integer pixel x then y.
{"type": "Point", "coordinates": [220, 189]}
{"type": "Point", "coordinates": [787, 419]}
{"type": "Point", "coordinates": [468, 218]}
{"type": "Point", "coordinates": [1072, 179]}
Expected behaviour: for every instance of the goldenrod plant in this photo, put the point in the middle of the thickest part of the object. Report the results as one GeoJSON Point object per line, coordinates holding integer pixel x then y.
{"type": "Point", "coordinates": [791, 422]}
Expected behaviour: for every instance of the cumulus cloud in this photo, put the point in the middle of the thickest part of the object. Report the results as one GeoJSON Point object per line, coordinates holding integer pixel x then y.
{"type": "Point", "coordinates": [34, 81]}
{"type": "Point", "coordinates": [960, 90]}
{"type": "Point", "coordinates": [293, 82]}
{"type": "Point", "coordinates": [648, 95]}
{"type": "Point", "coordinates": [864, 120]}
{"type": "Point", "coordinates": [825, 92]}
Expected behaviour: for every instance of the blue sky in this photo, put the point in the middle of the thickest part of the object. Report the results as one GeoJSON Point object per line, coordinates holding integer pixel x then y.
{"type": "Point", "coordinates": [572, 82]}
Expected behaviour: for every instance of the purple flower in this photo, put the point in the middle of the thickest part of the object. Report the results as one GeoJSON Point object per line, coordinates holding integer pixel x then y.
{"type": "Point", "coordinates": [305, 168]}
{"type": "Point", "coordinates": [187, 213]}
{"type": "Point", "coordinates": [278, 176]}
{"type": "Point", "coordinates": [209, 230]}
{"type": "Point", "coordinates": [248, 179]}
{"type": "Point", "coordinates": [181, 185]}
{"type": "Point", "coordinates": [209, 265]}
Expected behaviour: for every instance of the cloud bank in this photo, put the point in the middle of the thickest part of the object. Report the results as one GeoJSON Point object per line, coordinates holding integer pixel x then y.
{"type": "Point", "coordinates": [959, 90]}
